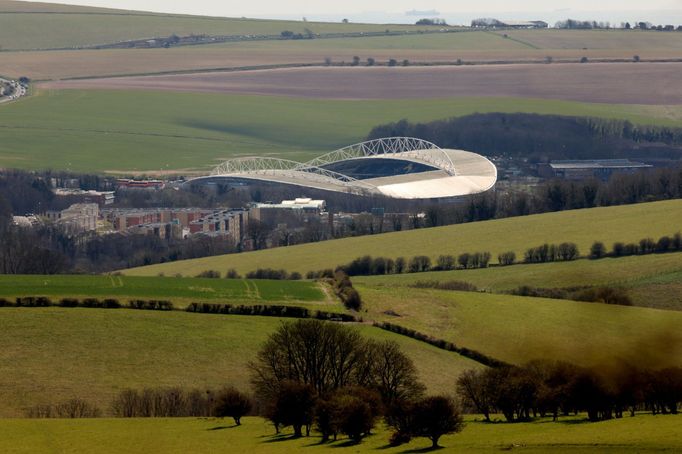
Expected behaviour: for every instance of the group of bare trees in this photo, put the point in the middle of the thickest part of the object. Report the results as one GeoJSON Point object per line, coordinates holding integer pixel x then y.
{"type": "Point", "coordinates": [325, 375]}
{"type": "Point", "coordinates": [556, 388]}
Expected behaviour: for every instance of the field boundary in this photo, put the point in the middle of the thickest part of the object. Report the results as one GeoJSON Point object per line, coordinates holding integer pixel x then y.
{"type": "Point", "coordinates": [228, 69]}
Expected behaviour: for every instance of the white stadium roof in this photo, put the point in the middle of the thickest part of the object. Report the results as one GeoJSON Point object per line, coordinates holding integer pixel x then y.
{"type": "Point", "coordinates": [454, 173]}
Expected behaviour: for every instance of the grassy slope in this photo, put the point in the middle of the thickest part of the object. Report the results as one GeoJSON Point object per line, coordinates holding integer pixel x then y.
{"type": "Point", "coordinates": [53, 354]}
{"type": "Point", "coordinates": [644, 433]}
{"type": "Point", "coordinates": [119, 130]}
{"type": "Point", "coordinates": [187, 289]}
{"type": "Point", "coordinates": [518, 329]}
{"type": "Point", "coordinates": [651, 280]}
{"type": "Point", "coordinates": [40, 28]}
{"type": "Point", "coordinates": [622, 223]}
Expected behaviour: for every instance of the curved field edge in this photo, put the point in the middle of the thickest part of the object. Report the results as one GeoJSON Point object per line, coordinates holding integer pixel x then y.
{"type": "Point", "coordinates": [519, 329]}
{"type": "Point", "coordinates": [155, 131]}
{"type": "Point", "coordinates": [627, 223]}
{"type": "Point", "coordinates": [53, 354]}
{"type": "Point", "coordinates": [651, 280]}
{"type": "Point", "coordinates": [643, 433]}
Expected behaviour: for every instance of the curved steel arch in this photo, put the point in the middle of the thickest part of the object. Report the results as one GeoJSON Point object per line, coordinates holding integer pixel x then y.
{"type": "Point", "coordinates": [284, 167]}
{"type": "Point", "coordinates": [402, 147]}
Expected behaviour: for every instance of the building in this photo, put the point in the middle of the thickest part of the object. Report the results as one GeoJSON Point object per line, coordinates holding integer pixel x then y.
{"type": "Point", "coordinates": [125, 183]}
{"type": "Point", "coordinates": [593, 168]}
{"type": "Point", "coordinates": [123, 219]}
{"type": "Point", "coordinates": [101, 198]}
{"type": "Point", "coordinates": [164, 230]}
{"type": "Point", "coordinates": [496, 23]}
{"type": "Point", "coordinates": [290, 213]}
{"type": "Point", "coordinates": [232, 223]}
{"type": "Point", "coordinates": [394, 167]}
{"type": "Point", "coordinates": [77, 217]}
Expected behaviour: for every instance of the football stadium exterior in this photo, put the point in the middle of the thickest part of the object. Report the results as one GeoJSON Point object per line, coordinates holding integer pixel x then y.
{"type": "Point", "coordinates": [396, 167]}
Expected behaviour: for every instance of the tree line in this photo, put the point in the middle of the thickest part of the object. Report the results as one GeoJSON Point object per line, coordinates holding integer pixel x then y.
{"type": "Point", "coordinates": [556, 388]}
{"type": "Point", "coordinates": [541, 138]}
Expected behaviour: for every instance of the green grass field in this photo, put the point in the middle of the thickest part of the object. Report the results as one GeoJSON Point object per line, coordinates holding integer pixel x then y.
{"type": "Point", "coordinates": [159, 131]}
{"type": "Point", "coordinates": [38, 27]}
{"type": "Point", "coordinates": [628, 223]}
{"type": "Point", "coordinates": [519, 329]}
{"type": "Point", "coordinates": [54, 354]}
{"type": "Point", "coordinates": [651, 280]}
{"type": "Point", "coordinates": [185, 289]}
{"type": "Point", "coordinates": [643, 433]}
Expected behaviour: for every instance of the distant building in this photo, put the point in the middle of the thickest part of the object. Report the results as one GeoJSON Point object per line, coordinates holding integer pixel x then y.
{"type": "Point", "coordinates": [77, 217]}
{"type": "Point", "coordinates": [124, 218]}
{"type": "Point", "coordinates": [495, 23]}
{"type": "Point", "coordinates": [593, 168]}
{"type": "Point", "coordinates": [101, 198]}
{"type": "Point", "coordinates": [124, 183]}
{"type": "Point", "coordinates": [231, 223]}
{"type": "Point", "coordinates": [290, 212]}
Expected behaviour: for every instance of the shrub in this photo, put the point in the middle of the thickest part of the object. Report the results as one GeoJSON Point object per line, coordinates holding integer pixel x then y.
{"type": "Point", "coordinates": [232, 274]}
{"type": "Point", "coordinates": [445, 263]}
{"type": "Point", "coordinates": [233, 404]}
{"type": "Point", "coordinates": [598, 250]}
{"type": "Point", "coordinates": [446, 285]}
{"type": "Point", "coordinates": [295, 276]}
{"type": "Point", "coordinates": [5, 303]}
{"type": "Point", "coordinates": [618, 249]}
{"type": "Point", "coordinates": [267, 273]}
{"type": "Point", "coordinates": [507, 258]}
{"type": "Point", "coordinates": [419, 264]}
{"type": "Point", "coordinates": [209, 274]}
{"type": "Point", "coordinates": [68, 302]}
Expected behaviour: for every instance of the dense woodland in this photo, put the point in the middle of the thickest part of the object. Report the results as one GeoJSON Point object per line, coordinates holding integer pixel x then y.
{"type": "Point", "coordinates": [541, 138]}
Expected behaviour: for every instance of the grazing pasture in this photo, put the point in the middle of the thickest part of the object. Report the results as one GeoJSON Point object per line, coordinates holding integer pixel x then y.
{"type": "Point", "coordinates": [53, 354]}
{"type": "Point", "coordinates": [625, 83]}
{"type": "Point", "coordinates": [519, 329]}
{"type": "Point", "coordinates": [156, 131]}
{"type": "Point", "coordinates": [46, 27]}
{"type": "Point", "coordinates": [627, 223]}
{"type": "Point", "coordinates": [650, 280]}
{"type": "Point", "coordinates": [168, 288]}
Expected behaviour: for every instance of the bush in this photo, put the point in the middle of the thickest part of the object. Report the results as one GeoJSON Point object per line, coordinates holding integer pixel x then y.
{"type": "Point", "coordinates": [267, 273]}
{"type": "Point", "coordinates": [598, 250]}
{"type": "Point", "coordinates": [33, 301]}
{"type": "Point", "coordinates": [419, 264]}
{"type": "Point", "coordinates": [445, 263]}
{"type": "Point", "coordinates": [295, 276]}
{"type": "Point", "coordinates": [5, 303]}
{"type": "Point", "coordinates": [233, 404]}
{"type": "Point", "coordinates": [507, 258]}
{"type": "Point", "coordinates": [69, 302]}
{"type": "Point", "coordinates": [151, 305]}
{"type": "Point", "coordinates": [72, 408]}
{"type": "Point", "coordinates": [446, 285]}
{"type": "Point", "coordinates": [209, 274]}
{"type": "Point", "coordinates": [232, 274]}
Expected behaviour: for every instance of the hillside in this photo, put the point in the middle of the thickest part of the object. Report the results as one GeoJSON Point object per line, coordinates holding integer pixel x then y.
{"type": "Point", "coordinates": [55, 354]}
{"type": "Point", "coordinates": [45, 26]}
{"type": "Point", "coordinates": [519, 329]}
{"type": "Point", "coordinates": [155, 131]}
{"type": "Point", "coordinates": [650, 280]}
{"type": "Point", "coordinates": [627, 223]}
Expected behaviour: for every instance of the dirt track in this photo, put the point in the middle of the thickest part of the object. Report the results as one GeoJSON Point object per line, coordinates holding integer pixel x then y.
{"type": "Point", "coordinates": [627, 83]}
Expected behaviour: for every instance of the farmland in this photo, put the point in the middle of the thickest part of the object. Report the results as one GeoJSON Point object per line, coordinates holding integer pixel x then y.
{"type": "Point", "coordinates": [47, 353]}
{"type": "Point", "coordinates": [44, 27]}
{"type": "Point", "coordinates": [627, 223]}
{"type": "Point", "coordinates": [469, 46]}
{"type": "Point", "coordinates": [641, 434]}
{"type": "Point", "coordinates": [195, 289]}
{"type": "Point", "coordinates": [586, 83]}
{"type": "Point", "coordinates": [123, 131]}
{"type": "Point", "coordinates": [651, 280]}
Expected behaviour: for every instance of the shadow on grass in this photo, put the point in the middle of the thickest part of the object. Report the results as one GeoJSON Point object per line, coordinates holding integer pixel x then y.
{"type": "Point", "coordinates": [281, 437]}
{"type": "Point", "coordinates": [573, 422]}
{"type": "Point", "coordinates": [421, 450]}
{"type": "Point", "coordinates": [223, 427]}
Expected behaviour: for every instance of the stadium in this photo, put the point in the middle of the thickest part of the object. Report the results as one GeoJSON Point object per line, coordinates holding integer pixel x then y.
{"type": "Point", "coordinates": [395, 167]}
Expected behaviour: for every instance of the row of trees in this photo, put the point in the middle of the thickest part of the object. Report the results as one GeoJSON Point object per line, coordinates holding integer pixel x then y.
{"type": "Point", "coordinates": [644, 246]}
{"type": "Point", "coordinates": [371, 266]}
{"type": "Point", "coordinates": [324, 375]}
{"type": "Point", "coordinates": [542, 388]}
{"type": "Point", "coordinates": [551, 253]}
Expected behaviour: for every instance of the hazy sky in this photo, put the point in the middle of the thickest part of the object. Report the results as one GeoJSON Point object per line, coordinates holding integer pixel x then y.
{"type": "Point", "coordinates": [601, 9]}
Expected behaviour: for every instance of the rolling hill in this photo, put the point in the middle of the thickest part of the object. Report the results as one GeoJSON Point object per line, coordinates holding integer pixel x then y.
{"type": "Point", "coordinates": [628, 223]}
